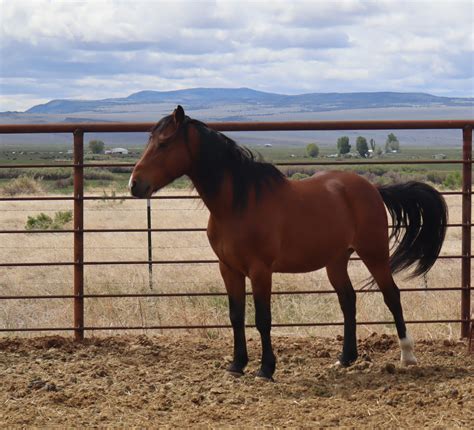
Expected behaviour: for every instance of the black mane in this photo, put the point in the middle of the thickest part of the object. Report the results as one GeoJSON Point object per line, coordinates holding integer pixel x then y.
{"type": "Point", "coordinates": [218, 154]}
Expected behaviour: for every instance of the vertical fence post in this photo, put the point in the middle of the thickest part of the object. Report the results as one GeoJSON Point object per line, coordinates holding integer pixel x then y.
{"type": "Point", "coordinates": [78, 235]}
{"type": "Point", "coordinates": [466, 231]}
{"type": "Point", "coordinates": [150, 247]}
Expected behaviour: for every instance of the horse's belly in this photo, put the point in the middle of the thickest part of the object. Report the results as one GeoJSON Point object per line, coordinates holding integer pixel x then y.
{"type": "Point", "coordinates": [312, 250]}
{"type": "Point", "coordinates": [306, 260]}
{"type": "Point", "coordinates": [282, 266]}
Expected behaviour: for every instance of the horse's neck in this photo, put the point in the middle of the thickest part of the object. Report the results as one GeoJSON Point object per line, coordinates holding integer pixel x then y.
{"type": "Point", "coordinates": [221, 204]}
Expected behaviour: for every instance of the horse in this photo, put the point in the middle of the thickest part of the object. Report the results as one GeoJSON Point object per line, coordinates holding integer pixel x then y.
{"type": "Point", "coordinates": [262, 222]}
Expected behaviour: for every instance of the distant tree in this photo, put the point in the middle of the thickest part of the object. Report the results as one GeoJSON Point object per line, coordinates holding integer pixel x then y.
{"type": "Point", "coordinates": [343, 145]}
{"type": "Point", "coordinates": [372, 144]}
{"type": "Point", "coordinates": [392, 143]}
{"type": "Point", "coordinates": [362, 147]}
{"type": "Point", "coordinates": [96, 146]}
{"type": "Point", "coordinates": [312, 150]}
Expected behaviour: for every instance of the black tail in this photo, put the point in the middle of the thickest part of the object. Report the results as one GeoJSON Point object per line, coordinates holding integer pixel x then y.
{"type": "Point", "coordinates": [421, 212]}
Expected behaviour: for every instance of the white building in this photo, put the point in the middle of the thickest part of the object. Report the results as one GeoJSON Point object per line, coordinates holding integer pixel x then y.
{"type": "Point", "coordinates": [121, 151]}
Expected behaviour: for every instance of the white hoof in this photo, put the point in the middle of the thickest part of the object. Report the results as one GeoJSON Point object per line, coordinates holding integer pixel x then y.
{"type": "Point", "coordinates": [412, 361]}
{"type": "Point", "coordinates": [407, 357]}
{"type": "Point", "coordinates": [336, 365]}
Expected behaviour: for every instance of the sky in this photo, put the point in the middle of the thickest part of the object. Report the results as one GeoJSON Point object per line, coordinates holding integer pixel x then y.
{"type": "Point", "coordinates": [62, 49]}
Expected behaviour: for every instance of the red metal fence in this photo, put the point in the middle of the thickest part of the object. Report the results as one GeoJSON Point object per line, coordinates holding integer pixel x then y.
{"type": "Point", "coordinates": [78, 263]}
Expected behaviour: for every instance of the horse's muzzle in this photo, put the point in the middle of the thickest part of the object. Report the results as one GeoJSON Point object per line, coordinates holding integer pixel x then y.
{"type": "Point", "coordinates": [139, 189]}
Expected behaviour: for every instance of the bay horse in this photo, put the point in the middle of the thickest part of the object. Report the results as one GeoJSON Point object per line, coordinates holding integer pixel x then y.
{"type": "Point", "coordinates": [261, 222]}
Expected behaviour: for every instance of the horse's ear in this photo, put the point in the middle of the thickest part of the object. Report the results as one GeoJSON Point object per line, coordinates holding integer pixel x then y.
{"type": "Point", "coordinates": [178, 115]}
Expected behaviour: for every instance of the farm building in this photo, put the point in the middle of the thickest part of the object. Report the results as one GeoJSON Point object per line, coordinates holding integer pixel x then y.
{"type": "Point", "coordinates": [115, 151]}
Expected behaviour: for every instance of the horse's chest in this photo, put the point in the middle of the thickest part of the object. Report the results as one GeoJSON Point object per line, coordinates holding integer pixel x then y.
{"type": "Point", "coordinates": [234, 245]}
{"type": "Point", "coordinates": [225, 243]}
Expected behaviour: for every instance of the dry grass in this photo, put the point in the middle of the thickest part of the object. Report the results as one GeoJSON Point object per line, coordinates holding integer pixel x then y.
{"type": "Point", "coordinates": [22, 185]}
{"type": "Point", "coordinates": [168, 278]}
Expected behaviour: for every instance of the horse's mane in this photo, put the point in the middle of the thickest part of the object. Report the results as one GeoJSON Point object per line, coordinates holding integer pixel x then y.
{"type": "Point", "coordinates": [219, 154]}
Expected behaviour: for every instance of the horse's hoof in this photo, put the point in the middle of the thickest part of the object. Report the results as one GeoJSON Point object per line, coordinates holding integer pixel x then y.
{"type": "Point", "coordinates": [411, 361]}
{"type": "Point", "coordinates": [235, 369]}
{"type": "Point", "coordinates": [343, 363]}
{"type": "Point", "coordinates": [407, 357]}
{"type": "Point", "coordinates": [262, 377]}
{"type": "Point", "coordinates": [235, 373]}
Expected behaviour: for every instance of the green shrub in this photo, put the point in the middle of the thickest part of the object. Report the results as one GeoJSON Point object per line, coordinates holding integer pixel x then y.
{"type": "Point", "coordinates": [45, 222]}
{"type": "Point", "coordinates": [453, 180]}
{"type": "Point", "coordinates": [51, 174]}
{"type": "Point", "coordinates": [290, 171]}
{"type": "Point", "coordinates": [10, 173]}
{"type": "Point", "coordinates": [64, 183]}
{"type": "Point", "coordinates": [23, 185]}
{"type": "Point", "coordinates": [120, 169]}
{"type": "Point", "coordinates": [298, 176]}
{"type": "Point", "coordinates": [98, 174]}
{"type": "Point", "coordinates": [436, 177]}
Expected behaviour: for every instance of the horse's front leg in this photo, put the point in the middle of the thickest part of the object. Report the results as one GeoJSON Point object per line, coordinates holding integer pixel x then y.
{"type": "Point", "coordinates": [261, 287]}
{"type": "Point", "coordinates": [235, 286]}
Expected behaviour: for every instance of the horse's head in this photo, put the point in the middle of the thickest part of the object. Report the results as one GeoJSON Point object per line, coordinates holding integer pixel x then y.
{"type": "Point", "coordinates": [166, 157]}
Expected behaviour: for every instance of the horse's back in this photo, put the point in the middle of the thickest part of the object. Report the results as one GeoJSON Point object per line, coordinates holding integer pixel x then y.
{"type": "Point", "coordinates": [360, 198]}
{"type": "Point", "coordinates": [326, 215]}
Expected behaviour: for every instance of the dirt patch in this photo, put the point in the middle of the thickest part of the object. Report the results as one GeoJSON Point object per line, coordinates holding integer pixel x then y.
{"type": "Point", "coordinates": [181, 381]}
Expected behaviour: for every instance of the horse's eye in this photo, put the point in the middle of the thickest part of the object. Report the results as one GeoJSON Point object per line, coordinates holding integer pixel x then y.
{"type": "Point", "coordinates": [162, 144]}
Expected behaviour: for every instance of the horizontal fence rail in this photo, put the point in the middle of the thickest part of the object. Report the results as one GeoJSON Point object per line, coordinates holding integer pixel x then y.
{"type": "Point", "coordinates": [120, 127]}
{"type": "Point", "coordinates": [79, 263]}
{"type": "Point", "coordinates": [212, 294]}
{"type": "Point", "coordinates": [157, 262]}
{"type": "Point", "coordinates": [224, 326]}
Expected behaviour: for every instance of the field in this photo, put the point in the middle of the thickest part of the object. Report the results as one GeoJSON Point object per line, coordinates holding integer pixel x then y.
{"type": "Point", "coordinates": [59, 180]}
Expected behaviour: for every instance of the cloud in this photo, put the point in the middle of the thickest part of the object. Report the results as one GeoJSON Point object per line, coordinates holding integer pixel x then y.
{"type": "Point", "coordinates": [62, 49]}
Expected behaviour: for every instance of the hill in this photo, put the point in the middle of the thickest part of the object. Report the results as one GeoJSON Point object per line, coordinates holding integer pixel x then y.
{"type": "Point", "coordinates": [208, 98]}
{"type": "Point", "coordinates": [244, 104]}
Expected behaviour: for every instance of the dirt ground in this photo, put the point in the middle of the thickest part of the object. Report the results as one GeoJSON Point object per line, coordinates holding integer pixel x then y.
{"type": "Point", "coordinates": [180, 381]}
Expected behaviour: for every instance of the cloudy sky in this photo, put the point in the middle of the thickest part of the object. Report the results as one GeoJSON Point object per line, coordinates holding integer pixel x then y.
{"type": "Point", "coordinates": [52, 49]}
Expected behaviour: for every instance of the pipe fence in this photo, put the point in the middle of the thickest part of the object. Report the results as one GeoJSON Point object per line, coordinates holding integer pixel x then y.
{"type": "Point", "coordinates": [78, 231]}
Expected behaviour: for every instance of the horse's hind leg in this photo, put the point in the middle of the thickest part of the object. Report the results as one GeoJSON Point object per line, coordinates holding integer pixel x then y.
{"type": "Point", "coordinates": [235, 286]}
{"type": "Point", "coordinates": [339, 278]}
{"type": "Point", "coordinates": [380, 270]}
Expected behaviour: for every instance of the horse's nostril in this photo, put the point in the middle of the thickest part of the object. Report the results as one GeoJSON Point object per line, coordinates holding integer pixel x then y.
{"type": "Point", "coordinates": [133, 185]}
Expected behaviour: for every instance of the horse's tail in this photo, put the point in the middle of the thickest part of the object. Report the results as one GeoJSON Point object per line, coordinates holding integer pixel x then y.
{"type": "Point", "coordinates": [419, 214]}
